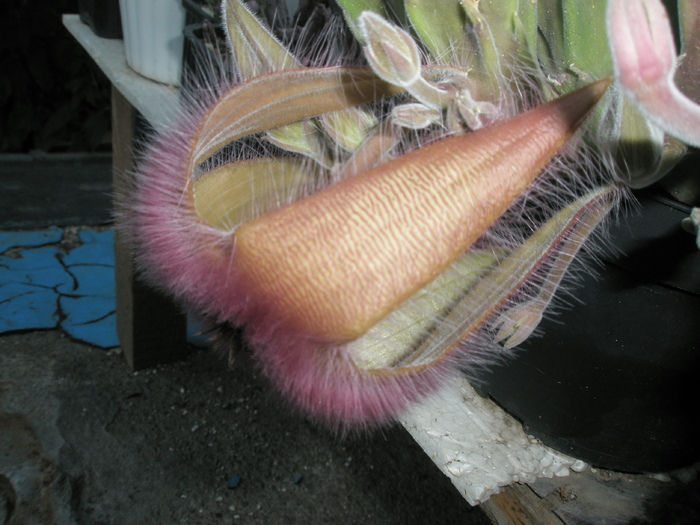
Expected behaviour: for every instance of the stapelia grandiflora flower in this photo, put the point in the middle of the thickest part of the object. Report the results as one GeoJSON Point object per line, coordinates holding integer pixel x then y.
{"type": "Point", "coordinates": [377, 227]}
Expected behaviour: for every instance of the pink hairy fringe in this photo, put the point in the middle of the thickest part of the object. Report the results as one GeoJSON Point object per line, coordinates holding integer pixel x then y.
{"type": "Point", "coordinates": [325, 384]}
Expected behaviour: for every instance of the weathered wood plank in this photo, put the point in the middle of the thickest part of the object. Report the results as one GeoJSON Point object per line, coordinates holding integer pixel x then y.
{"type": "Point", "coordinates": [477, 445]}
{"type": "Point", "coordinates": [151, 328]}
{"type": "Point", "coordinates": [156, 102]}
{"type": "Point", "coordinates": [517, 504]}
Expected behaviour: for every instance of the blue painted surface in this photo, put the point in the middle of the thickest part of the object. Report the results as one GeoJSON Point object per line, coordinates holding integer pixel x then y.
{"type": "Point", "coordinates": [35, 267]}
{"type": "Point", "coordinates": [197, 332]}
{"type": "Point", "coordinates": [90, 319]}
{"type": "Point", "coordinates": [31, 238]}
{"type": "Point", "coordinates": [43, 286]}
{"type": "Point", "coordinates": [88, 305]}
{"type": "Point", "coordinates": [97, 248]}
{"type": "Point", "coordinates": [28, 282]}
{"type": "Point", "coordinates": [24, 307]}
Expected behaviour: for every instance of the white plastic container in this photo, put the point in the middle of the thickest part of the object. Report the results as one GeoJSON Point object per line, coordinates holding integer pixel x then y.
{"type": "Point", "coordinates": [153, 38]}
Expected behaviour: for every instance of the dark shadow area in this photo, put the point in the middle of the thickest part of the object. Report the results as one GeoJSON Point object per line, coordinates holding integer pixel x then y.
{"type": "Point", "coordinates": [53, 98]}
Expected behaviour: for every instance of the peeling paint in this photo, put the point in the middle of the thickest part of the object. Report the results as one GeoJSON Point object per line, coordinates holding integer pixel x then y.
{"type": "Point", "coordinates": [478, 446]}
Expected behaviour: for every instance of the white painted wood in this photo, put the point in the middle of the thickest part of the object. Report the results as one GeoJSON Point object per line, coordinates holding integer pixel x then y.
{"type": "Point", "coordinates": [155, 101]}
{"type": "Point", "coordinates": [479, 446]}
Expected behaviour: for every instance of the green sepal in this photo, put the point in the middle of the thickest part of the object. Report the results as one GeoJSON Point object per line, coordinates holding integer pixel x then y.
{"type": "Point", "coordinates": [255, 50]}
{"type": "Point", "coordinates": [236, 192]}
{"type": "Point", "coordinates": [440, 25]}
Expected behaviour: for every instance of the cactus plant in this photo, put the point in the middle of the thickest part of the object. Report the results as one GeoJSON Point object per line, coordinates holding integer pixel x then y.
{"type": "Point", "coordinates": [375, 228]}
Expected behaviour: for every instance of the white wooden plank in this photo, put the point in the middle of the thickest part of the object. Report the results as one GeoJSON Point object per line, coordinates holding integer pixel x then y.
{"type": "Point", "coordinates": [478, 445]}
{"type": "Point", "coordinates": [155, 101]}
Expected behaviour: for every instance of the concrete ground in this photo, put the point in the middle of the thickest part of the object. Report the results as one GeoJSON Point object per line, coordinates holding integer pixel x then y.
{"type": "Point", "coordinates": [85, 441]}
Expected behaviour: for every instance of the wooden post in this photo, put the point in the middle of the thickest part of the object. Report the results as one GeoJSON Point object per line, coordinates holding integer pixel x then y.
{"type": "Point", "coordinates": [151, 328]}
{"type": "Point", "coordinates": [518, 504]}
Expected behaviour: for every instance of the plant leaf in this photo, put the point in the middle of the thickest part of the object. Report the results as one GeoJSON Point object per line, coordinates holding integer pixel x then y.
{"type": "Point", "coordinates": [394, 339]}
{"type": "Point", "coordinates": [440, 24]}
{"type": "Point", "coordinates": [255, 50]}
{"type": "Point", "coordinates": [573, 224]}
{"type": "Point", "coordinates": [236, 192]}
{"type": "Point", "coordinates": [280, 98]}
{"type": "Point", "coordinates": [354, 8]}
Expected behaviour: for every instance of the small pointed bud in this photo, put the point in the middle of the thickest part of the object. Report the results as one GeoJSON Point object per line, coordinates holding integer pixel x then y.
{"type": "Point", "coordinates": [415, 116]}
{"type": "Point", "coordinates": [393, 55]}
{"type": "Point", "coordinates": [476, 114]}
{"type": "Point", "coordinates": [255, 50]}
{"type": "Point", "coordinates": [691, 224]}
{"type": "Point", "coordinates": [333, 264]}
{"type": "Point", "coordinates": [348, 129]}
{"type": "Point", "coordinates": [518, 323]}
{"type": "Point", "coordinates": [390, 50]}
{"type": "Point", "coordinates": [302, 137]}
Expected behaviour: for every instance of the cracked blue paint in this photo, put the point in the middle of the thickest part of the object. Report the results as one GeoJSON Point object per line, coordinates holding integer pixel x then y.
{"type": "Point", "coordinates": [28, 283]}
{"type": "Point", "coordinates": [24, 308]}
{"type": "Point", "coordinates": [90, 319]}
{"type": "Point", "coordinates": [37, 266]}
{"type": "Point", "coordinates": [97, 248]}
{"type": "Point", "coordinates": [88, 304]}
{"type": "Point", "coordinates": [43, 286]}
{"type": "Point", "coordinates": [31, 238]}
{"type": "Point", "coordinates": [89, 279]}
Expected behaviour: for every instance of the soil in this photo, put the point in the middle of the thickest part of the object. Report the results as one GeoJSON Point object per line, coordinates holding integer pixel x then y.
{"type": "Point", "coordinates": [84, 440]}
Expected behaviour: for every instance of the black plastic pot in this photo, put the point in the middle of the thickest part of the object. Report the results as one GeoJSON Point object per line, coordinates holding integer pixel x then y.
{"type": "Point", "coordinates": [613, 380]}
{"type": "Point", "coordinates": [102, 16]}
